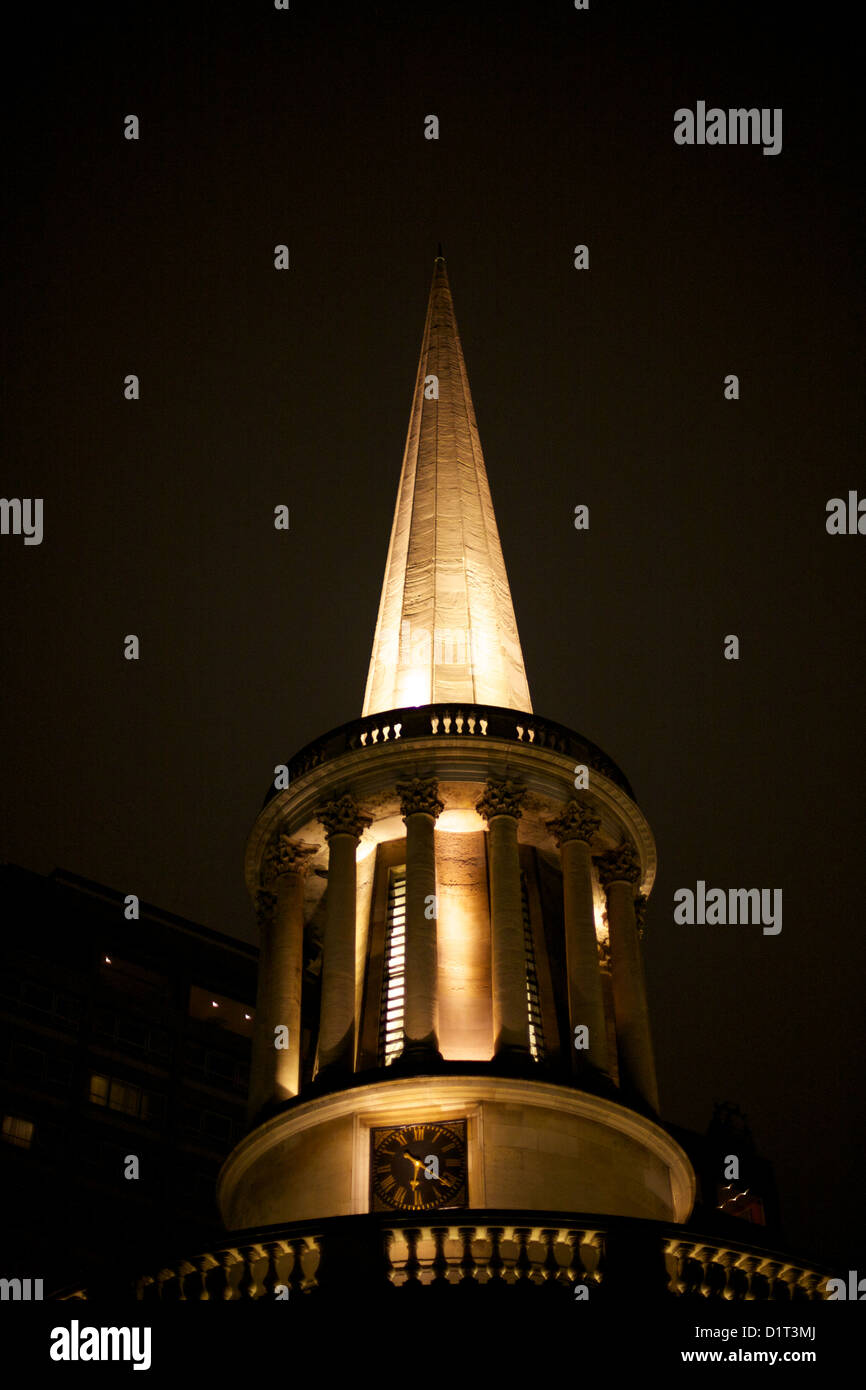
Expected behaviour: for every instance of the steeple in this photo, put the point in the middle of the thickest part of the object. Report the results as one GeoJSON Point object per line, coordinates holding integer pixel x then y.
{"type": "Point", "coordinates": [446, 629]}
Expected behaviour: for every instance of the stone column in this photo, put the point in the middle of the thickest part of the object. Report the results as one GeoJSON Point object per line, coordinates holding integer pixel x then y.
{"type": "Point", "coordinates": [501, 808]}
{"type": "Point", "coordinates": [275, 1063]}
{"type": "Point", "coordinates": [573, 830]}
{"type": "Point", "coordinates": [420, 805]}
{"type": "Point", "coordinates": [344, 824]}
{"type": "Point", "coordinates": [618, 872]}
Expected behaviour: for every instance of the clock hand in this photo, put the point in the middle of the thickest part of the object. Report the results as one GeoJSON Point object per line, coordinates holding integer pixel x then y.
{"type": "Point", "coordinates": [417, 1163]}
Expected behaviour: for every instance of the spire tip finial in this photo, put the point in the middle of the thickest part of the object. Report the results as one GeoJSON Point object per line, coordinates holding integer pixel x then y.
{"type": "Point", "coordinates": [439, 255]}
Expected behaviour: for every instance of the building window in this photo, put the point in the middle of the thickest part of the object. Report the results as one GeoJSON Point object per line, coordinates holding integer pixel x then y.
{"type": "Point", "coordinates": [17, 1131]}
{"type": "Point", "coordinates": [123, 1097]}
{"type": "Point", "coordinates": [533, 1004]}
{"type": "Point", "coordinates": [394, 980]}
{"type": "Point", "coordinates": [126, 1099]}
{"type": "Point", "coordinates": [99, 1090]}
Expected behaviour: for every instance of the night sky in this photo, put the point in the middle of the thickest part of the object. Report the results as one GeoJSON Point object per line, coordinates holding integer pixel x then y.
{"type": "Point", "coordinates": [603, 387]}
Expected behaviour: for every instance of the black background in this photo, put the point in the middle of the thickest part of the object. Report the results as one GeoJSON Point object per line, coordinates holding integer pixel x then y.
{"type": "Point", "coordinates": [602, 387]}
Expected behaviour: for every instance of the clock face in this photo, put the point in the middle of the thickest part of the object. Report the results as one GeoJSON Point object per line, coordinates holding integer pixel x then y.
{"type": "Point", "coordinates": [418, 1167]}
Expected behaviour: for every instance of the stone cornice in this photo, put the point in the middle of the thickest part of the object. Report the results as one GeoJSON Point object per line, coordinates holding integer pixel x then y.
{"type": "Point", "coordinates": [373, 770]}
{"type": "Point", "coordinates": [379, 1102]}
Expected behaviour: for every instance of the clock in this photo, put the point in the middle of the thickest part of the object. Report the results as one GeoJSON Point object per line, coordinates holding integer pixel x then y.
{"type": "Point", "coordinates": [418, 1167]}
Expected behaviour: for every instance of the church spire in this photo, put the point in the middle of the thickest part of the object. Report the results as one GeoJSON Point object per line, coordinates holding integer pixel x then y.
{"type": "Point", "coordinates": [446, 629]}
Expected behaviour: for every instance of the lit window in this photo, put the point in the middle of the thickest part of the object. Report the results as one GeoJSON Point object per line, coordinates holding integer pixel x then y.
{"type": "Point", "coordinates": [393, 986]}
{"type": "Point", "coordinates": [533, 1003]}
{"type": "Point", "coordinates": [17, 1131]}
{"type": "Point", "coordinates": [99, 1090]}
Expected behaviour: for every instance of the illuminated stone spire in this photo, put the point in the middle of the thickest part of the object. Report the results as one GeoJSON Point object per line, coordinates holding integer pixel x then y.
{"type": "Point", "coordinates": [446, 629]}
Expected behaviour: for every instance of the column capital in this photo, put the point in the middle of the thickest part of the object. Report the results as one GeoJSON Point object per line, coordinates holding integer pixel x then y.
{"type": "Point", "coordinates": [264, 903]}
{"type": "Point", "coordinates": [343, 816]}
{"type": "Point", "coordinates": [420, 794]}
{"type": "Point", "coordinates": [285, 856]}
{"type": "Point", "coordinates": [501, 798]}
{"type": "Point", "coordinates": [577, 820]}
{"type": "Point", "coordinates": [620, 865]}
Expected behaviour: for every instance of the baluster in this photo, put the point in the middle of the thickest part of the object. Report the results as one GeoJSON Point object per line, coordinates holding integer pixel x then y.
{"type": "Point", "coordinates": [717, 1277]}
{"type": "Point", "coordinates": [440, 1262]}
{"type": "Point", "coordinates": [467, 1263]}
{"type": "Point", "coordinates": [222, 1280]}
{"type": "Point", "coordinates": [535, 1250]}
{"type": "Point", "coordinates": [453, 1247]}
{"type": "Point", "coordinates": [523, 1264]}
{"type": "Point", "coordinates": [426, 1251]}
{"type": "Point", "coordinates": [747, 1266]}
{"type": "Point", "coordinates": [778, 1288]}
{"type": "Point", "coordinates": [703, 1254]}
{"type": "Point", "coordinates": [550, 1267]}
{"type": "Point", "coordinates": [248, 1288]}
{"type": "Point", "coordinates": [273, 1250]}
{"type": "Point", "coordinates": [296, 1279]}
{"type": "Point", "coordinates": [510, 1254]}
{"type": "Point", "coordinates": [413, 1264]}
{"type": "Point", "coordinates": [496, 1263]}
{"type": "Point", "coordinates": [482, 1250]}
{"type": "Point", "coordinates": [396, 1253]}
{"type": "Point", "coordinates": [593, 1254]}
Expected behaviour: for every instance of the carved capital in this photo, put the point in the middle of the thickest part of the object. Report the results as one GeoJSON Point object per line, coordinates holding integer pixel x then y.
{"type": "Point", "coordinates": [342, 816]}
{"type": "Point", "coordinates": [420, 794]}
{"type": "Point", "coordinates": [285, 856]}
{"type": "Point", "coordinates": [501, 798]}
{"type": "Point", "coordinates": [577, 820]}
{"type": "Point", "coordinates": [618, 865]}
{"type": "Point", "coordinates": [265, 903]}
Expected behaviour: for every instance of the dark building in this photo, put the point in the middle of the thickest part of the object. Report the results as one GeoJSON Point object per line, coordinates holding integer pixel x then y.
{"type": "Point", "coordinates": [124, 1040]}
